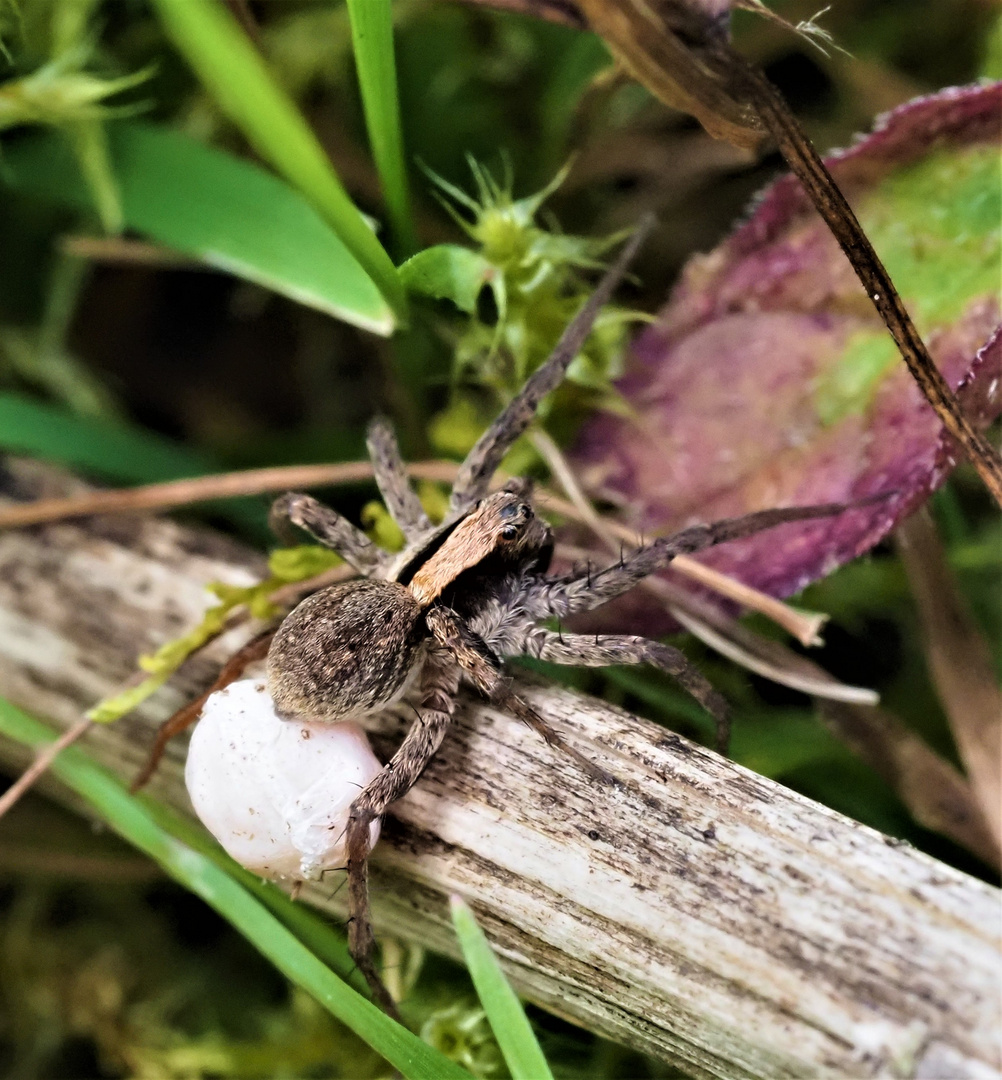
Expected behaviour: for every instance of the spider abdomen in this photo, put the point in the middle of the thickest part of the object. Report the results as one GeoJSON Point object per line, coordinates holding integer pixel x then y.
{"type": "Point", "coordinates": [346, 650]}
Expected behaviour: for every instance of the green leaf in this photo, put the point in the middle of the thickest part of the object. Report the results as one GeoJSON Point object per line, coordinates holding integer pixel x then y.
{"type": "Point", "coordinates": [210, 205]}
{"type": "Point", "coordinates": [448, 272]}
{"type": "Point", "coordinates": [507, 1018]}
{"type": "Point", "coordinates": [372, 37]}
{"type": "Point", "coordinates": [235, 73]}
{"type": "Point", "coordinates": [777, 742]}
{"type": "Point", "coordinates": [112, 450]}
{"type": "Point", "coordinates": [312, 929]}
{"type": "Point", "coordinates": [117, 452]}
{"type": "Point", "coordinates": [132, 819]}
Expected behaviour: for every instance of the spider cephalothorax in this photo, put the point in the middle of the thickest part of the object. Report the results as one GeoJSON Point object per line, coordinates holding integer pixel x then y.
{"type": "Point", "coordinates": [460, 598]}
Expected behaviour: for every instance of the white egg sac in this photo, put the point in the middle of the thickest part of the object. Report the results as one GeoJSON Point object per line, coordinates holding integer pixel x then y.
{"type": "Point", "coordinates": [275, 793]}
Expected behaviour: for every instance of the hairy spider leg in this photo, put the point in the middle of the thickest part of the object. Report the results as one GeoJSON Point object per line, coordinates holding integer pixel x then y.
{"type": "Point", "coordinates": [487, 675]}
{"type": "Point", "coordinates": [439, 684]}
{"type": "Point", "coordinates": [483, 460]}
{"type": "Point", "coordinates": [255, 649]}
{"type": "Point", "coordinates": [602, 650]}
{"type": "Point", "coordinates": [567, 595]}
{"type": "Point", "coordinates": [326, 527]}
{"type": "Point", "coordinates": [392, 480]}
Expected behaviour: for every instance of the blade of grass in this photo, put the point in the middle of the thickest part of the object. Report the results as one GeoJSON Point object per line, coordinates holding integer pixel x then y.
{"type": "Point", "coordinates": [505, 1014]}
{"type": "Point", "coordinates": [204, 202]}
{"type": "Point", "coordinates": [315, 932]}
{"type": "Point", "coordinates": [235, 73]}
{"type": "Point", "coordinates": [132, 820]}
{"type": "Point", "coordinates": [372, 38]}
{"type": "Point", "coordinates": [113, 451]}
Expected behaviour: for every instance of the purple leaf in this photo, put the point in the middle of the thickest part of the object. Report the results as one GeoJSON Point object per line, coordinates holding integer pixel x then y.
{"type": "Point", "coordinates": [769, 380]}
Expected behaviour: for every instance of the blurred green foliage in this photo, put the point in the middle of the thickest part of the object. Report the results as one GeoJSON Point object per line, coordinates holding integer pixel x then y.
{"type": "Point", "coordinates": [137, 371]}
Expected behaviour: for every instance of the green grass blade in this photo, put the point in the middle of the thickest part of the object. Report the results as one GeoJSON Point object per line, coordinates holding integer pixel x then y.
{"type": "Point", "coordinates": [235, 73]}
{"type": "Point", "coordinates": [206, 203]}
{"type": "Point", "coordinates": [372, 38]}
{"type": "Point", "coordinates": [314, 931]}
{"type": "Point", "coordinates": [507, 1018]}
{"type": "Point", "coordinates": [132, 820]}
{"type": "Point", "coordinates": [115, 451]}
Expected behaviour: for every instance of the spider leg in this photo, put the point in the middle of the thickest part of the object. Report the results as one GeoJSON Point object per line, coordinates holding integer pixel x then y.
{"type": "Point", "coordinates": [561, 596]}
{"type": "Point", "coordinates": [255, 649]}
{"type": "Point", "coordinates": [486, 673]}
{"type": "Point", "coordinates": [482, 461]}
{"type": "Point", "coordinates": [439, 683]}
{"type": "Point", "coordinates": [602, 650]}
{"type": "Point", "coordinates": [392, 480]}
{"type": "Point", "coordinates": [325, 526]}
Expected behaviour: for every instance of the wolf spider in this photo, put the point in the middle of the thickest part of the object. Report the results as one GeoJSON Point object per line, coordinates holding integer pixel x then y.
{"type": "Point", "coordinates": [458, 599]}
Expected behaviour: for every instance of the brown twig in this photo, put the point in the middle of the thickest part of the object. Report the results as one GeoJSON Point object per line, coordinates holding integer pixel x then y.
{"type": "Point", "coordinates": [127, 252]}
{"type": "Point", "coordinates": [204, 488]}
{"type": "Point", "coordinates": [564, 12]}
{"type": "Point", "coordinates": [676, 50]}
{"type": "Point", "coordinates": [803, 625]}
{"type": "Point", "coordinates": [960, 663]}
{"type": "Point", "coordinates": [43, 759]}
{"type": "Point", "coordinates": [738, 643]}
{"type": "Point", "coordinates": [937, 794]}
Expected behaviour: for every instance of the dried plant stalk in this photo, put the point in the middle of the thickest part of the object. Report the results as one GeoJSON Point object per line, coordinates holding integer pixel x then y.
{"type": "Point", "coordinates": [703, 914]}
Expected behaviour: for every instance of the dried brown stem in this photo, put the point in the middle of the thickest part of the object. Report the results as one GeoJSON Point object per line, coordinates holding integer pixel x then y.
{"type": "Point", "coordinates": [126, 252]}
{"type": "Point", "coordinates": [737, 642]}
{"type": "Point", "coordinates": [43, 759]}
{"type": "Point", "coordinates": [204, 488]}
{"type": "Point", "coordinates": [960, 663]}
{"type": "Point", "coordinates": [564, 12]}
{"type": "Point", "coordinates": [676, 51]}
{"type": "Point", "coordinates": [937, 795]}
{"type": "Point", "coordinates": [802, 625]}
{"type": "Point", "coordinates": [702, 913]}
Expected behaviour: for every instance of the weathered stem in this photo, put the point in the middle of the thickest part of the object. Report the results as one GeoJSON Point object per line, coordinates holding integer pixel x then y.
{"type": "Point", "coordinates": [704, 914]}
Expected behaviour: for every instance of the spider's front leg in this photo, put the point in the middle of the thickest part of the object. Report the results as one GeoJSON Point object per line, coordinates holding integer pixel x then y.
{"type": "Point", "coordinates": [326, 527]}
{"type": "Point", "coordinates": [439, 683]}
{"type": "Point", "coordinates": [557, 597]}
{"type": "Point", "coordinates": [602, 650]}
{"type": "Point", "coordinates": [474, 477]}
{"type": "Point", "coordinates": [486, 673]}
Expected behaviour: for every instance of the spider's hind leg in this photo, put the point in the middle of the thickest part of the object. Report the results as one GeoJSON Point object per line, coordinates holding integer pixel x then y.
{"type": "Point", "coordinates": [439, 683]}
{"type": "Point", "coordinates": [603, 650]}
{"type": "Point", "coordinates": [484, 669]}
{"type": "Point", "coordinates": [391, 478]}
{"type": "Point", "coordinates": [326, 527]}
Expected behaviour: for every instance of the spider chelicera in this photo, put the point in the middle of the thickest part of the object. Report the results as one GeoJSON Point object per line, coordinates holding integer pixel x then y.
{"type": "Point", "coordinates": [458, 599]}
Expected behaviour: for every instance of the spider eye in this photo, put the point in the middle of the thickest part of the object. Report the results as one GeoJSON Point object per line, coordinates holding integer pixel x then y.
{"type": "Point", "coordinates": [509, 532]}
